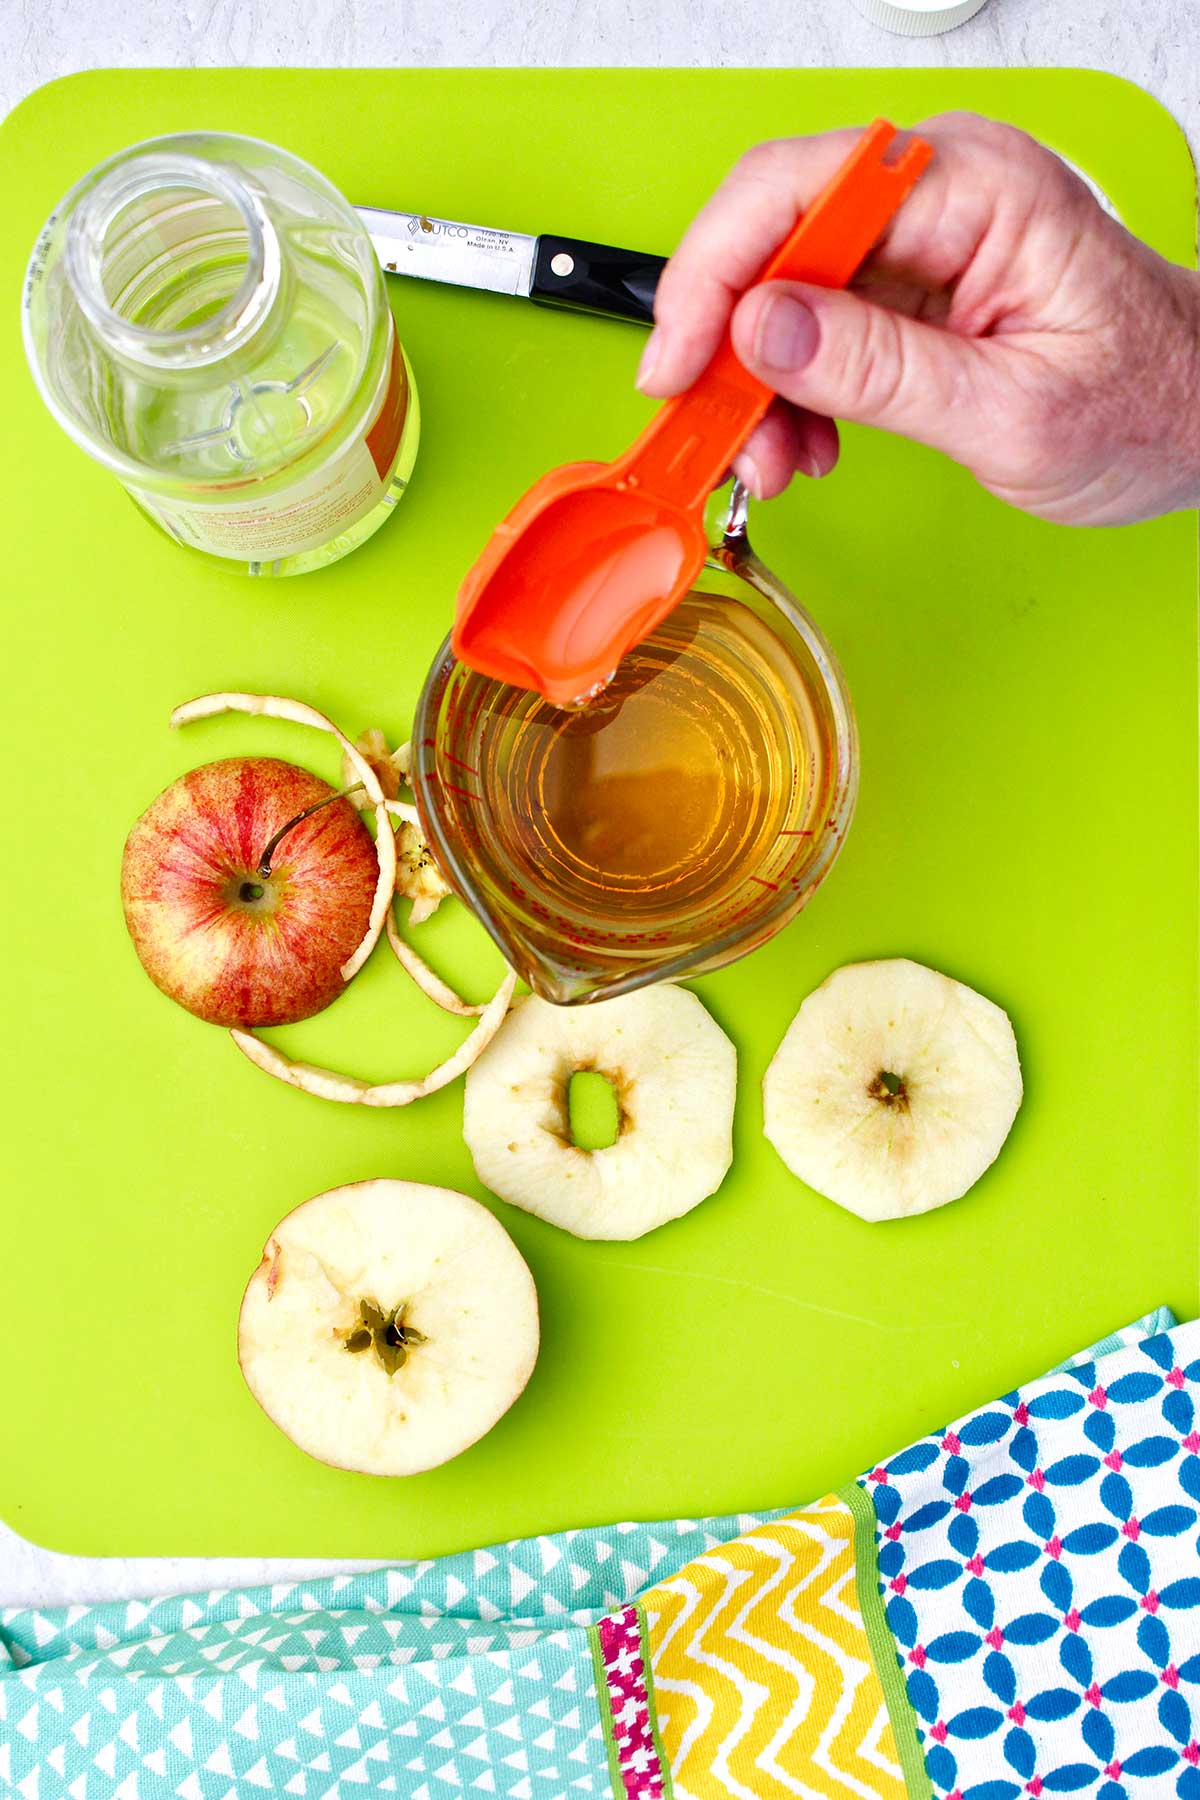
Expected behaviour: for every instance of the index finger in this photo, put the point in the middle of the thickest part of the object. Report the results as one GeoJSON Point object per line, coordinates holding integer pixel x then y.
{"type": "Point", "coordinates": [726, 245]}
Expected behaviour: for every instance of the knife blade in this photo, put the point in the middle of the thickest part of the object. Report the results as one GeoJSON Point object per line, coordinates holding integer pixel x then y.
{"type": "Point", "coordinates": [552, 271]}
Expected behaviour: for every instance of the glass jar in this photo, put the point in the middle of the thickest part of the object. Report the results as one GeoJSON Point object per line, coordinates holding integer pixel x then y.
{"type": "Point", "coordinates": [205, 315]}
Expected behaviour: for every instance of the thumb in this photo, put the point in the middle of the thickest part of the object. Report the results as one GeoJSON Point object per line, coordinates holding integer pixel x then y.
{"type": "Point", "coordinates": [836, 353]}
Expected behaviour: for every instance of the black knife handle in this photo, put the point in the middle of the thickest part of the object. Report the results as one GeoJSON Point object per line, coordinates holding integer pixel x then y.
{"type": "Point", "coordinates": [596, 278]}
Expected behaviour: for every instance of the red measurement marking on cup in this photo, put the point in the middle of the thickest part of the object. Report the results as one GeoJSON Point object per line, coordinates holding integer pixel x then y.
{"type": "Point", "coordinates": [453, 786]}
{"type": "Point", "coordinates": [459, 763]}
{"type": "Point", "coordinates": [763, 882]}
{"type": "Point", "coordinates": [793, 834]}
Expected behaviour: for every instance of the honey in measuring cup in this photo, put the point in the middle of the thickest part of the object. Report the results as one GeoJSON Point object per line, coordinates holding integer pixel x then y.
{"type": "Point", "coordinates": [672, 823]}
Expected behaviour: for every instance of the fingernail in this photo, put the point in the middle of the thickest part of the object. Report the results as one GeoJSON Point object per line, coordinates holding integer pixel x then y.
{"type": "Point", "coordinates": [749, 474]}
{"type": "Point", "coordinates": [787, 334]}
{"type": "Point", "coordinates": [649, 358]}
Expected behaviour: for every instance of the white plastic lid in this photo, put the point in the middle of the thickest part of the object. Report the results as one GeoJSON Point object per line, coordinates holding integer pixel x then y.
{"type": "Point", "coordinates": [918, 18]}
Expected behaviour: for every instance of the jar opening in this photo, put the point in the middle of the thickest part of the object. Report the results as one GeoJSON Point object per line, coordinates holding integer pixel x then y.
{"type": "Point", "coordinates": [173, 260]}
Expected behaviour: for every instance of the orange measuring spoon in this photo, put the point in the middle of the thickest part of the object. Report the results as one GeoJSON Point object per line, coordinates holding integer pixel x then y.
{"type": "Point", "coordinates": [596, 554]}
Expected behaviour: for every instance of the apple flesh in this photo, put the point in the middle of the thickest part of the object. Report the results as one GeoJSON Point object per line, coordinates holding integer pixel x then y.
{"type": "Point", "coordinates": [388, 1326]}
{"type": "Point", "coordinates": [232, 946]}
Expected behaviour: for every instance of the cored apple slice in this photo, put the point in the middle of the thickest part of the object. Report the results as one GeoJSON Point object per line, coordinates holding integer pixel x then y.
{"type": "Point", "coordinates": [674, 1075]}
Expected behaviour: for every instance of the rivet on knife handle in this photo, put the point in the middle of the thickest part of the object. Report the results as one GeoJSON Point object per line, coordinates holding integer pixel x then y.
{"type": "Point", "coordinates": [596, 278]}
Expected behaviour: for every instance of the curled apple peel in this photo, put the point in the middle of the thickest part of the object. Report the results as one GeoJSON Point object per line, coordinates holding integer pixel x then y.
{"type": "Point", "coordinates": [328, 1084]}
{"type": "Point", "coordinates": [418, 877]}
{"type": "Point", "coordinates": [429, 982]}
{"type": "Point", "coordinates": [379, 773]}
{"type": "Point", "coordinates": [296, 712]}
{"type": "Point", "coordinates": [391, 766]}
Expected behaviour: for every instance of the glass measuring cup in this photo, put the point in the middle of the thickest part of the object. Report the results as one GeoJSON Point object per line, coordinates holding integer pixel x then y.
{"type": "Point", "coordinates": [666, 828]}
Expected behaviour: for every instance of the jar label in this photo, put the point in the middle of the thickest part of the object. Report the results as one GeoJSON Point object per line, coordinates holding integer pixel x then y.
{"type": "Point", "coordinates": [309, 512]}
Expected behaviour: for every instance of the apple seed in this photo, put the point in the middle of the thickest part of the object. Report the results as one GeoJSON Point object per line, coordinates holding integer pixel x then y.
{"type": "Point", "coordinates": [385, 1333]}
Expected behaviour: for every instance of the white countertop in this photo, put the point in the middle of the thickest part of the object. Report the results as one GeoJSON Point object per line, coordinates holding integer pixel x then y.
{"type": "Point", "coordinates": [1153, 42]}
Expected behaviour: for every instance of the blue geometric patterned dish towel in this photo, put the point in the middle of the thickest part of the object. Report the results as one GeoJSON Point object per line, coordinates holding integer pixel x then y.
{"type": "Point", "coordinates": [1040, 1564]}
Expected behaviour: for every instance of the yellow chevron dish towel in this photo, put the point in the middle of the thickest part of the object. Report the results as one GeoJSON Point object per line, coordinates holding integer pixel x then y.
{"type": "Point", "coordinates": [762, 1667]}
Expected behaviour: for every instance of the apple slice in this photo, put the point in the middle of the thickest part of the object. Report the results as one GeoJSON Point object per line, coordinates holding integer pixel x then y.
{"type": "Point", "coordinates": [234, 940]}
{"type": "Point", "coordinates": [277, 706]}
{"type": "Point", "coordinates": [674, 1075]}
{"type": "Point", "coordinates": [893, 1090]}
{"type": "Point", "coordinates": [388, 1326]}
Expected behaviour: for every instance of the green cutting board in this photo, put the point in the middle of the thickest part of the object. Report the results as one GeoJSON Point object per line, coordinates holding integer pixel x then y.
{"type": "Point", "coordinates": [1028, 822]}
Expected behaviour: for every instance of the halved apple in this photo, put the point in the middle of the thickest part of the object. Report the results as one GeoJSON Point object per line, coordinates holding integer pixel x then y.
{"type": "Point", "coordinates": [388, 1326]}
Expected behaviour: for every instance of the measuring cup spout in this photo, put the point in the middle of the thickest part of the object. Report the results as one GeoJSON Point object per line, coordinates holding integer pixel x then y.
{"type": "Point", "coordinates": [726, 519]}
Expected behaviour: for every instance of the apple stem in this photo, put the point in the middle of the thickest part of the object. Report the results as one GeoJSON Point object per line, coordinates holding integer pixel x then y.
{"type": "Point", "coordinates": [264, 861]}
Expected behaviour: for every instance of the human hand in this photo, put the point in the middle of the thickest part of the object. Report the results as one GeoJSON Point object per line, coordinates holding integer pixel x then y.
{"type": "Point", "coordinates": [1004, 318]}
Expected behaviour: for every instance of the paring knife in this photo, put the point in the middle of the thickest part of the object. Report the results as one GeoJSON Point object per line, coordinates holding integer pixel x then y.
{"type": "Point", "coordinates": [556, 271]}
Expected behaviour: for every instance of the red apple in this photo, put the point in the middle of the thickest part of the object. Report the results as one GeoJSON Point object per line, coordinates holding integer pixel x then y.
{"type": "Point", "coordinates": [231, 946]}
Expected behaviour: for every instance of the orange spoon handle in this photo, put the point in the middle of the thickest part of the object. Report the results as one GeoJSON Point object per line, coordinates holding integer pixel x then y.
{"type": "Point", "coordinates": [688, 445]}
